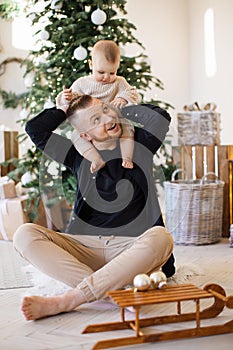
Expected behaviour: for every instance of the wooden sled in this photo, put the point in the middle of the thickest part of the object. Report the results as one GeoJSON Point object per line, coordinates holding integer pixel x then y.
{"type": "Point", "coordinates": [177, 294]}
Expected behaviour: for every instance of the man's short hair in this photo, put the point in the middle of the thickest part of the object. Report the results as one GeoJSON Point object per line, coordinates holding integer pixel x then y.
{"type": "Point", "coordinates": [77, 103]}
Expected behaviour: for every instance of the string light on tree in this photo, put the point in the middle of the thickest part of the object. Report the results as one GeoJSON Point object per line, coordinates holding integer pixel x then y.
{"type": "Point", "coordinates": [98, 17]}
{"type": "Point", "coordinates": [80, 53]}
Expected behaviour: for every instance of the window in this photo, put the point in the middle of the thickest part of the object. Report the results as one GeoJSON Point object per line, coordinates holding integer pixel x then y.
{"type": "Point", "coordinates": [209, 41]}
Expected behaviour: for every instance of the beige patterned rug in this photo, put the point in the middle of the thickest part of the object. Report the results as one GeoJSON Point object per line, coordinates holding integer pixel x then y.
{"type": "Point", "coordinates": [12, 274]}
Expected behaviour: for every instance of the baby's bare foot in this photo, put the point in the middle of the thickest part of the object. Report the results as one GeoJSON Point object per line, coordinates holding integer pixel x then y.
{"type": "Point", "coordinates": [127, 164]}
{"type": "Point", "coordinates": [95, 166]}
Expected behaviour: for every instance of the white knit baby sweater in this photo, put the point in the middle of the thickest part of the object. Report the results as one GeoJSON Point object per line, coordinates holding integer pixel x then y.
{"type": "Point", "coordinates": [106, 92]}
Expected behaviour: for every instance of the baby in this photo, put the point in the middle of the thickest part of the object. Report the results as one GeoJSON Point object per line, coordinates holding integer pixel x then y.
{"type": "Point", "coordinates": [104, 84]}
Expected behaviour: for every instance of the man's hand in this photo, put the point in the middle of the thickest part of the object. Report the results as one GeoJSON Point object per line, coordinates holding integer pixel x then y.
{"type": "Point", "coordinates": [119, 102]}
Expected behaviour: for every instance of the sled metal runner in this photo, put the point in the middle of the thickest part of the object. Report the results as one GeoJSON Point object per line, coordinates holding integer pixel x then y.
{"type": "Point", "coordinates": [177, 294]}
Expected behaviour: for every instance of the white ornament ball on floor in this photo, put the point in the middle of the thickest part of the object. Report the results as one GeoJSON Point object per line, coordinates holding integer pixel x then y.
{"type": "Point", "coordinates": [80, 53]}
{"type": "Point", "coordinates": [141, 282]}
{"type": "Point", "coordinates": [98, 17]}
{"type": "Point", "coordinates": [158, 279]}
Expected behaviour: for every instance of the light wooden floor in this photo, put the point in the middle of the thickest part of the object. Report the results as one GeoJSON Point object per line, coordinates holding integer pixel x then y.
{"type": "Point", "coordinates": [63, 332]}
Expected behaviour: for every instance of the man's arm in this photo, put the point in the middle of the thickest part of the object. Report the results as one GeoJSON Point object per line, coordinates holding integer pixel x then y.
{"type": "Point", "coordinates": [153, 124]}
{"type": "Point", "coordinates": [40, 129]}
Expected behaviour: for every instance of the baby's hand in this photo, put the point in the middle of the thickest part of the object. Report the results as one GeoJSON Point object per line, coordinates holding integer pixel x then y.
{"type": "Point", "coordinates": [119, 102]}
{"type": "Point", "coordinates": [67, 93]}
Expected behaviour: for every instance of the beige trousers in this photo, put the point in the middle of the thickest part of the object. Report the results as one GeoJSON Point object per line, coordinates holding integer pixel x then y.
{"type": "Point", "coordinates": [93, 264]}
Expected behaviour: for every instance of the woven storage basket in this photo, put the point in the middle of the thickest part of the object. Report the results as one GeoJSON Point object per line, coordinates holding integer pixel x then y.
{"type": "Point", "coordinates": [194, 209]}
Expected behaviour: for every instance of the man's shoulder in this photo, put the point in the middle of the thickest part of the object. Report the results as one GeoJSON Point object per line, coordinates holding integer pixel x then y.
{"type": "Point", "coordinates": [136, 112]}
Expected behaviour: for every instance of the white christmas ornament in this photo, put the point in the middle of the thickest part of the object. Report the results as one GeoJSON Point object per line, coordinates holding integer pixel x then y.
{"type": "Point", "coordinates": [141, 282]}
{"type": "Point", "coordinates": [80, 53]}
{"type": "Point", "coordinates": [98, 17]}
{"type": "Point", "coordinates": [23, 114]}
{"type": "Point", "coordinates": [159, 280]}
{"type": "Point", "coordinates": [32, 16]}
{"type": "Point", "coordinates": [44, 34]}
{"type": "Point", "coordinates": [49, 104]}
{"type": "Point", "coordinates": [53, 169]}
{"type": "Point", "coordinates": [56, 5]}
{"type": "Point", "coordinates": [26, 178]}
{"type": "Point", "coordinates": [29, 79]}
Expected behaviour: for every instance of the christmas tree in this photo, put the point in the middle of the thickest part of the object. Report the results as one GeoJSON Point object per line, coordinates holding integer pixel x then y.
{"type": "Point", "coordinates": [65, 34]}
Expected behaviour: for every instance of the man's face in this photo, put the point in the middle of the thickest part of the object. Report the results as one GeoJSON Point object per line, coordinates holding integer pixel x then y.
{"type": "Point", "coordinates": [100, 122]}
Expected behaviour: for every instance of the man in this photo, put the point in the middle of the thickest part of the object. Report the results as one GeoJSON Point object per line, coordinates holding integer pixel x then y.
{"type": "Point", "coordinates": [116, 230]}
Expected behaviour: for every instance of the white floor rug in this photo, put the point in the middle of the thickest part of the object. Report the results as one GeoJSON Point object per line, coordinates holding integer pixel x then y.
{"type": "Point", "coordinates": [47, 286]}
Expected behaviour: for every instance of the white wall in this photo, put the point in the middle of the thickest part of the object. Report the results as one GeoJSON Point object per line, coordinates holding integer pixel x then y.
{"type": "Point", "coordinates": [172, 33]}
{"type": "Point", "coordinates": [217, 88]}
{"type": "Point", "coordinates": [162, 27]}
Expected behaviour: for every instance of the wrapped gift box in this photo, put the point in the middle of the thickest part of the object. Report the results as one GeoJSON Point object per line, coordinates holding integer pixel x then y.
{"type": "Point", "coordinates": [13, 214]}
{"type": "Point", "coordinates": [199, 128]}
{"type": "Point", "coordinates": [7, 188]}
{"type": "Point", "coordinates": [8, 149]}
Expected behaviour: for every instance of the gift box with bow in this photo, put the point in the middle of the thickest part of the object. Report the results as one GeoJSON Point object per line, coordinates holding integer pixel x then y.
{"type": "Point", "coordinates": [199, 125]}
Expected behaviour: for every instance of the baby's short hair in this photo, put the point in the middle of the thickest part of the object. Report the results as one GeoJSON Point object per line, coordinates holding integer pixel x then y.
{"type": "Point", "coordinates": [108, 48]}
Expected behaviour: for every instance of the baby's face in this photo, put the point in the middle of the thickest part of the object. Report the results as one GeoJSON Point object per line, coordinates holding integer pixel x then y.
{"type": "Point", "coordinates": [103, 71]}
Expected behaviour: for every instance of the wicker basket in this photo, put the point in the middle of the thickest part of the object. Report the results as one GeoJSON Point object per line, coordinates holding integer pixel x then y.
{"type": "Point", "coordinates": [199, 128]}
{"type": "Point", "coordinates": [194, 209]}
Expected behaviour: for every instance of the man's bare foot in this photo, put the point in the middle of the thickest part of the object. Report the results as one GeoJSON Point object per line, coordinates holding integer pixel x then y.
{"type": "Point", "coordinates": [127, 164]}
{"type": "Point", "coordinates": [36, 307]}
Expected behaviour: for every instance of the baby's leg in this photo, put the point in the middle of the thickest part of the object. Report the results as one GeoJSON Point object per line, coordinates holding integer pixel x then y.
{"type": "Point", "coordinates": [127, 143]}
{"type": "Point", "coordinates": [88, 151]}
{"type": "Point", "coordinates": [95, 158]}
{"type": "Point", "coordinates": [127, 147]}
